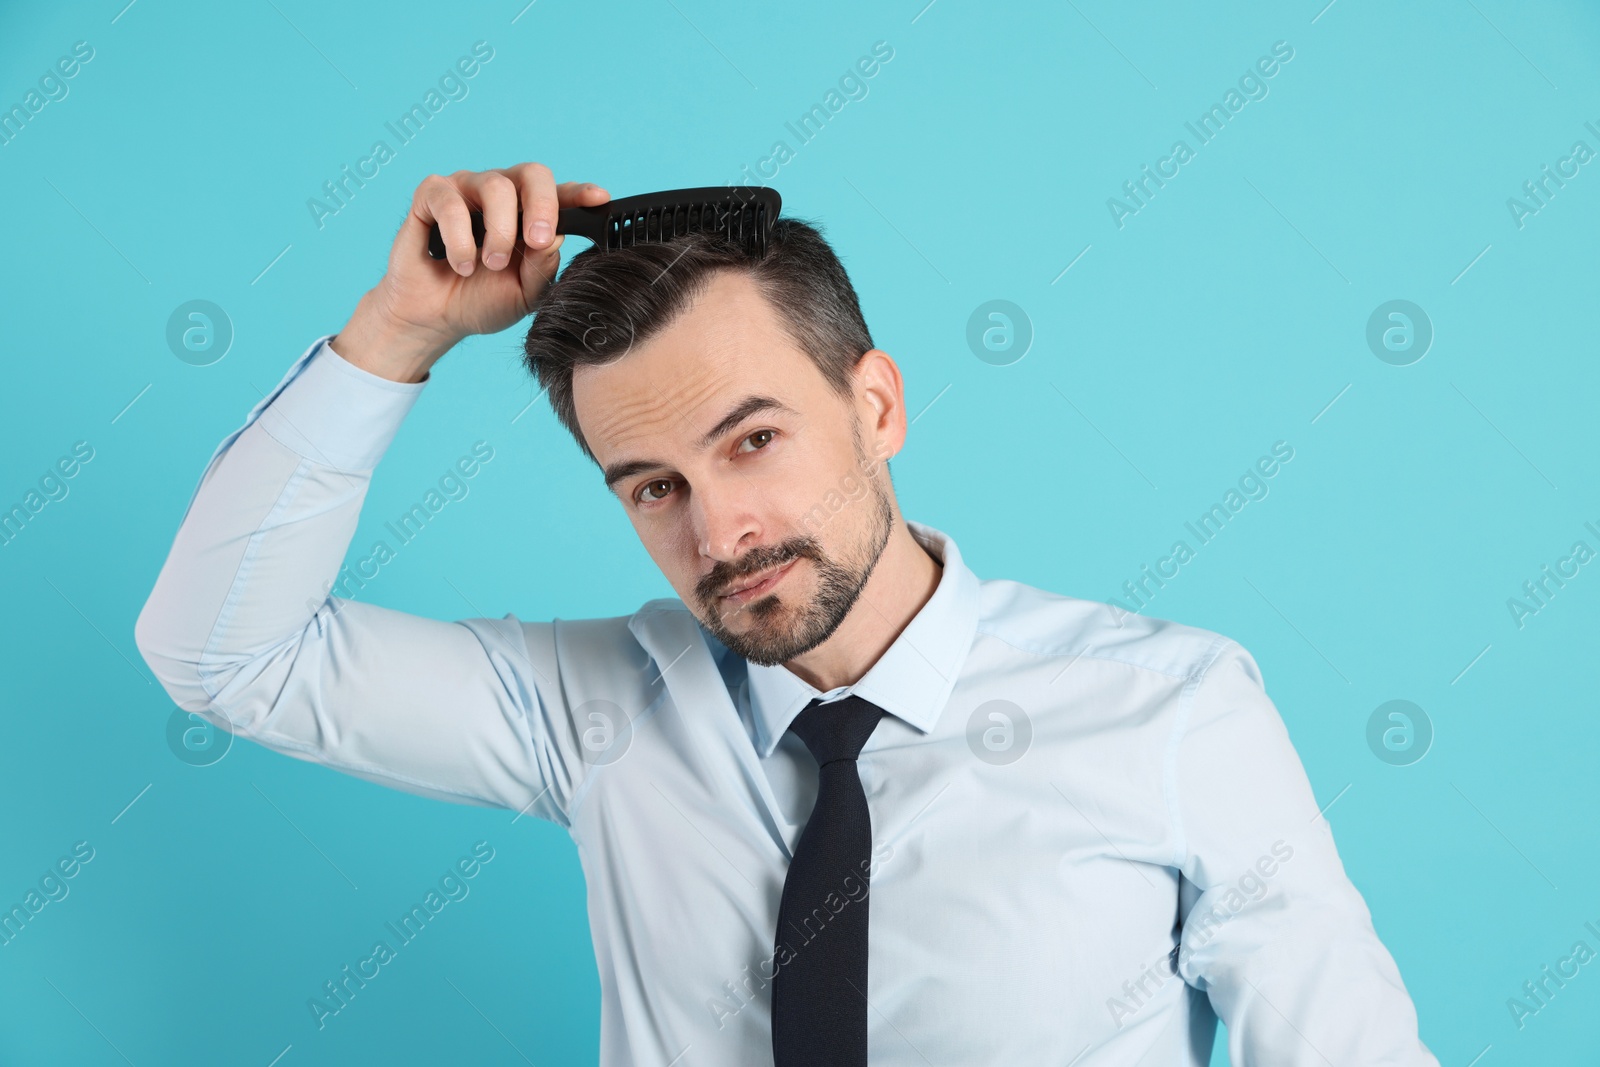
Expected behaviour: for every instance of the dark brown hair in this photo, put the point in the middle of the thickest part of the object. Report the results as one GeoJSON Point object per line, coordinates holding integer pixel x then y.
{"type": "Point", "coordinates": [606, 302]}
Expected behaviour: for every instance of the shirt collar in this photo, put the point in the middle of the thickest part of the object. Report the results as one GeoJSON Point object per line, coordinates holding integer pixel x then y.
{"type": "Point", "coordinates": [913, 678]}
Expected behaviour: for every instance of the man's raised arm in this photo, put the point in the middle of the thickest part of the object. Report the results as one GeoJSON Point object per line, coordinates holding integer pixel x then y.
{"type": "Point", "coordinates": [239, 628]}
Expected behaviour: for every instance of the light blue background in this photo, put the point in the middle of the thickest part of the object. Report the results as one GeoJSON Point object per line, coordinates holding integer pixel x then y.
{"type": "Point", "coordinates": [1226, 315]}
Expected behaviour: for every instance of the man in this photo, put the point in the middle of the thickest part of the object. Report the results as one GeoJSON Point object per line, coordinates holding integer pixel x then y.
{"type": "Point", "coordinates": [1086, 835]}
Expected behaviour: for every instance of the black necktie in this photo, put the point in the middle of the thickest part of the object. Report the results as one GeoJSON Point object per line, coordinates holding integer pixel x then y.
{"type": "Point", "coordinates": [819, 993]}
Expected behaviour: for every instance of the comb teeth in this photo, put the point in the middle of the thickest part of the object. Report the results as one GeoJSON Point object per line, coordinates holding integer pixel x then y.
{"type": "Point", "coordinates": [743, 224]}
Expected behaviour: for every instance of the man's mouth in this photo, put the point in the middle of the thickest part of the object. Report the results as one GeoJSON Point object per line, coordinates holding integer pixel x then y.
{"type": "Point", "coordinates": [757, 584]}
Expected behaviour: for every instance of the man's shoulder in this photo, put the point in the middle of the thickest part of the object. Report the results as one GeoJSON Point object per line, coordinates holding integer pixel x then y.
{"type": "Point", "coordinates": [1054, 624]}
{"type": "Point", "coordinates": [605, 656]}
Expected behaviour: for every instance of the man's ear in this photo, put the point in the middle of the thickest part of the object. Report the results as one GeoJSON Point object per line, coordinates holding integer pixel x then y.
{"type": "Point", "coordinates": [882, 389]}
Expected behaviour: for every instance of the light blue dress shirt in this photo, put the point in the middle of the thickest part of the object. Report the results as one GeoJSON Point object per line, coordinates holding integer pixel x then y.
{"type": "Point", "coordinates": [1091, 834]}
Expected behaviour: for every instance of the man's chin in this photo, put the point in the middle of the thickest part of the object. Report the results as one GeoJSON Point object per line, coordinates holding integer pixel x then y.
{"type": "Point", "coordinates": [767, 640]}
{"type": "Point", "coordinates": [764, 628]}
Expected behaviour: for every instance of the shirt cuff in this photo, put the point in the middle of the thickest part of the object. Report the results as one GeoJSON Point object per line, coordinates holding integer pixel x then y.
{"type": "Point", "coordinates": [334, 413]}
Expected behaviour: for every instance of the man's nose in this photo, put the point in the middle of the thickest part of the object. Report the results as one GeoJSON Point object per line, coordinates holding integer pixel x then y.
{"type": "Point", "coordinates": [727, 519]}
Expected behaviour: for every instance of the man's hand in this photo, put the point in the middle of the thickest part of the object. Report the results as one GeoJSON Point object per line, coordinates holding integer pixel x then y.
{"type": "Point", "coordinates": [422, 307]}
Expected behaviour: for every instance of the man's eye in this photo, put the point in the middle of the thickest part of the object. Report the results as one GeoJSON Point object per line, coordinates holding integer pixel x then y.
{"type": "Point", "coordinates": [644, 490]}
{"type": "Point", "coordinates": [768, 434]}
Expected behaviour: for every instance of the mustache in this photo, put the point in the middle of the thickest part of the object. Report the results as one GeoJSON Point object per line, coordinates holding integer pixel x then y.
{"type": "Point", "coordinates": [754, 562]}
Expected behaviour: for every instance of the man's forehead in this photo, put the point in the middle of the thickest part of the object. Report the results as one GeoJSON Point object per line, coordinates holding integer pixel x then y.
{"type": "Point", "coordinates": [682, 383]}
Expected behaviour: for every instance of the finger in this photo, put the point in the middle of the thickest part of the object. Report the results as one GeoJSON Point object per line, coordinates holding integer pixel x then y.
{"type": "Point", "coordinates": [581, 194]}
{"type": "Point", "coordinates": [536, 269]}
{"type": "Point", "coordinates": [539, 267]}
{"type": "Point", "coordinates": [496, 196]}
{"type": "Point", "coordinates": [439, 200]}
{"type": "Point", "coordinates": [537, 189]}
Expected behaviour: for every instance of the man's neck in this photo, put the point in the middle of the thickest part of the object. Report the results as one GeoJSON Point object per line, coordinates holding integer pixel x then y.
{"type": "Point", "coordinates": [904, 579]}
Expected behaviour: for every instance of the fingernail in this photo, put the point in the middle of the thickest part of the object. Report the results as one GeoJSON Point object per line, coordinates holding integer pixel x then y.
{"type": "Point", "coordinates": [465, 266]}
{"type": "Point", "coordinates": [496, 260]}
{"type": "Point", "coordinates": [541, 233]}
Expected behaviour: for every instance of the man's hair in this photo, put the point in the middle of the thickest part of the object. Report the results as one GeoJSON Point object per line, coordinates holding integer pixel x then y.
{"type": "Point", "coordinates": [606, 302]}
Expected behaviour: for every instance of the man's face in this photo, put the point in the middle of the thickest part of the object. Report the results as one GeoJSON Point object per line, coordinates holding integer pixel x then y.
{"type": "Point", "coordinates": [736, 461]}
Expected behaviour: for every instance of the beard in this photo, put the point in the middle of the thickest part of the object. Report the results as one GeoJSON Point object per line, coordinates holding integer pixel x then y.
{"type": "Point", "coordinates": [779, 629]}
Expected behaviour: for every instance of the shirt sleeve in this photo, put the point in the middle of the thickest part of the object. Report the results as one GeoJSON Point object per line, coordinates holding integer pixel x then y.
{"type": "Point", "coordinates": [241, 628]}
{"type": "Point", "coordinates": [1278, 937]}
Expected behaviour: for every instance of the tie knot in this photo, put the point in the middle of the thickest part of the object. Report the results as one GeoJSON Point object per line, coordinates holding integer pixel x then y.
{"type": "Point", "coordinates": [838, 729]}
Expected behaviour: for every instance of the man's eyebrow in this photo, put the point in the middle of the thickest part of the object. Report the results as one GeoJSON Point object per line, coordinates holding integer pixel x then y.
{"type": "Point", "coordinates": [754, 404]}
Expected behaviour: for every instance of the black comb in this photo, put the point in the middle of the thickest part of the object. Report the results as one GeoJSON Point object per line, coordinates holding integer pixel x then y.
{"type": "Point", "coordinates": [743, 214]}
